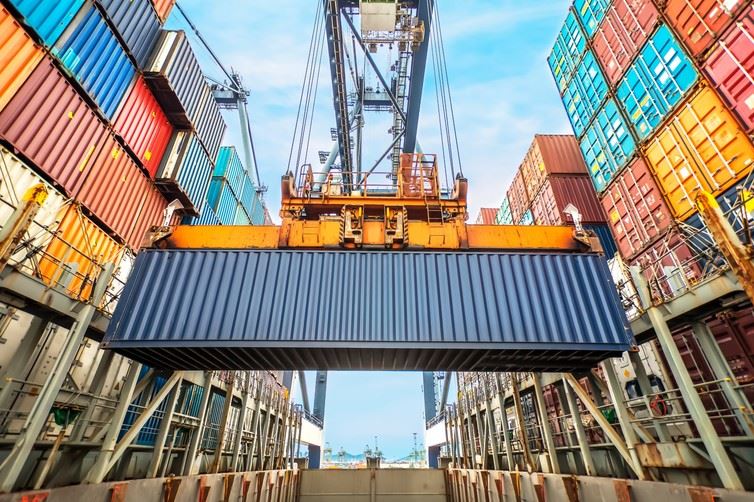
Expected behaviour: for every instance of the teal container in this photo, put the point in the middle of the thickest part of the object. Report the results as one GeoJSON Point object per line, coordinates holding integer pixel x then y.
{"type": "Point", "coordinates": [258, 210]}
{"type": "Point", "coordinates": [527, 218]}
{"type": "Point", "coordinates": [607, 145]}
{"type": "Point", "coordinates": [207, 216]}
{"type": "Point", "coordinates": [222, 200]}
{"type": "Point", "coordinates": [585, 93]}
{"type": "Point", "coordinates": [229, 166]}
{"type": "Point", "coordinates": [591, 13]}
{"type": "Point", "coordinates": [48, 19]}
{"type": "Point", "coordinates": [656, 82]}
{"type": "Point", "coordinates": [504, 216]}
{"type": "Point", "coordinates": [241, 217]}
{"type": "Point", "coordinates": [567, 52]}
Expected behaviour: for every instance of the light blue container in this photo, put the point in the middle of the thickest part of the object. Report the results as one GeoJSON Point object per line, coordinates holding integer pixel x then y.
{"type": "Point", "coordinates": [567, 51]}
{"type": "Point", "coordinates": [207, 216]}
{"type": "Point", "coordinates": [47, 18]}
{"type": "Point", "coordinates": [585, 93]}
{"type": "Point", "coordinates": [527, 218]}
{"type": "Point", "coordinates": [504, 216]}
{"type": "Point", "coordinates": [92, 54]}
{"type": "Point", "coordinates": [241, 217]}
{"type": "Point", "coordinates": [222, 200]}
{"type": "Point", "coordinates": [257, 212]}
{"type": "Point", "coordinates": [247, 193]}
{"type": "Point", "coordinates": [591, 13]}
{"type": "Point", "coordinates": [656, 82]}
{"type": "Point", "coordinates": [229, 167]}
{"type": "Point", "coordinates": [607, 145]}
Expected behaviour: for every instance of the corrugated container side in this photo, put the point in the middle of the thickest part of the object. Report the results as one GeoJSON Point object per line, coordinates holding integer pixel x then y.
{"type": "Point", "coordinates": [73, 258]}
{"type": "Point", "coordinates": [115, 189]}
{"type": "Point", "coordinates": [188, 166]}
{"type": "Point", "coordinates": [19, 55]}
{"type": "Point", "coordinates": [151, 213]}
{"type": "Point", "coordinates": [138, 25]}
{"type": "Point", "coordinates": [656, 82]}
{"type": "Point", "coordinates": [176, 77]}
{"type": "Point", "coordinates": [90, 51]}
{"type": "Point", "coordinates": [591, 13]}
{"type": "Point", "coordinates": [247, 193]}
{"type": "Point", "coordinates": [163, 8]}
{"type": "Point", "coordinates": [47, 18]}
{"type": "Point", "coordinates": [228, 165]}
{"type": "Point", "coordinates": [627, 25]}
{"type": "Point", "coordinates": [702, 148]}
{"type": "Point", "coordinates": [225, 206]}
{"type": "Point", "coordinates": [730, 68]}
{"type": "Point", "coordinates": [567, 51]}
{"type": "Point", "coordinates": [259, 214]}
{"type": "Point", "coordinates": [15, 179]}
{"type": "Point", "coordinates": [241, 217]}
{"type": "Point", "coordinates": [517, 196]}
{"type": "Point", "coordinates": [504, 216]}
{"type": "Point", "coordinates": [699, 22]}
{"type": "Point", "coordinates": [635, 209]}
{"type": "Point", "coordinates": [207, 216]}
{"type": "Point", "coordinates": [585, 93]}
{"type": "Point", "coordinates": [209, 123]}
{"type": "Point", "coordinates": [581, 315]}
{"type": "Point", "coordinates": [734, 332]}
{"type": "Point", "coordinates": [605, 237]}
{"type": "Point", "coordinates": [49, 123]}
{"type": "Point", "coordinates": [551, 154]}
{"type": "Point", "coordinates": [607, 145]}
{"type": "Point", "coordinates": [486, 216]}
{"type": "Point", "coordinates": [527, 218]}
{"type": "Point", "coordinates": [143, 126]}
{"type": "Point", "coordinates": [560, 191]}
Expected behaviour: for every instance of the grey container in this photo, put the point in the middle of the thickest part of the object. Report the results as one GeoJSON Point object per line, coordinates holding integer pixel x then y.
{"type": "Point", "coordinates": [136, 23]}
{"type": "Point", "coordinates": [273, 309]}
{"type": "Point", "coordinates": [209, 124]}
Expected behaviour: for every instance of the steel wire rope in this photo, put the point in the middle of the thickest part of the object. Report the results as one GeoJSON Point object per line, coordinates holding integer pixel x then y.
{"type": "Point", "coordinates": [445, 125]}
{"type": "Point", "coordinates": [439, 114]}
{"type": "Point", "coordinates": [314, 101]}
{"type": "Point", "coordinates": [442, 111]}
{"type": "Point", "coordinates": [309, 102]}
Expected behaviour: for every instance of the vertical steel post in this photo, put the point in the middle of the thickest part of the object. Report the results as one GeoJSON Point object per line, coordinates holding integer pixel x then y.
{"type": "Point", "coordinates": [522, 424]}
{"type": "Point", "coordinates": [98, 383]}
{"type": "Point", "coordinates": [228, 406]}
{"type": "Point", "coordinates": [196, 435]}
{"type": "Point", "coordinates": [240, 429]}
{"type": "Point", "coordinates": [19, 222]}
{"type": "Point", "coordinates": [491, 429]}
{"type": "Point", "coordinates": [715, 449]}
{"type": "Point", "coordinates": [40, 410]}
{"type": "Point", "coordinates": [164, 430]}
{"type": "Point", "coordinates": [19, 363]}
{"type": "Point", "coordinates": [552, 452]}
{"type": "Point", "coordinates": [646, 389]}
{"type": "Point", "coordinates": [504, 422]}
{"type": "Point", "coordinates": [578, 425]}
{"type": "Point", "coordinates": [737, 400]}
{"type": "Point", "coordinates": [430, 398]}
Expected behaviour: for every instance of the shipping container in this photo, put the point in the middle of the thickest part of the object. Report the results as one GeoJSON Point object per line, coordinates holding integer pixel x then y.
{"type": "Point", "coordinates": [47, 18]}
{"type": "Point", "coordinates": [19, 55]}
{"type": "Point", "coordinates": [15, 179]}
{"type": "Point", "coordinates": [656, 82]}
{"type": "Point", "coordinates": [486, 216]}
{"type": "Point", "coordinates": [607, 145]}
{"type": "Point", "coordinates": [241, 217]}
{"type": "Point", "coordinates": [209, 124]}
{"type": "Point", "coordinates": [699, 22]}
{"type": "Point", "coordinates": [551, 154]}
{"type": "Point", "coordinates": [560, 191]}
{"type": "Point", "coordinates": [137, 24]}
{"type": "Point", "coordinates": [176, 78]}
{"type": "Point", "coordinates": [207, 216]}
{"type": "Point", "coordinates": [518, 197]}
{"type": "Point", "coordinates": [605, 237]}
{"type": "Point", "coordinates": [222, 200]}
{"type": "Point", "coordinates": [499, 305]}
{"type": "Point", "coordinates": [702, 148]}
{"type": "Point", "coordinates": [635, 209]}
{"type": "Point", "coordinates": [731, 204]}
{"type": "Point", "coordinates": [734, 331]}
{"type": "Point", "coordinates": [527, 218]}
{"type": "Point", "coordinates": [74, 258]}
{"type": "Point", "coordinates": [591, 13]}
{"type": "Point", "coordinates": [228, 165]}
{"type": "Point", "coordinates": [627, 25]}
{"type": "Point", "coordinates": [143, 126]}
{"type": "Point", "coordinates": [93, 55]}
{"type": "Point", "coordinates": [259, 214]}
{"type": "Point", "coordinates": [567, 51]}
{"type": "Point", "coordinates": [163, 8]}
{"type": "Point", "coordinates": [248, 193]}
{"type": "Point", "coordinates": [51, 125]}
{"type": "Point", "coordinates": [151, 213]}
{"type": "Point", "coordinates": [585, 94]}
{"type": "Point", "coordinates": [504, 216]}
{"type": "Point", "coordinates": [730, 68]}
{"type": "Point", "coordinates": [187, 169]}
{"type": "Point", "coordinates": [115, 189]}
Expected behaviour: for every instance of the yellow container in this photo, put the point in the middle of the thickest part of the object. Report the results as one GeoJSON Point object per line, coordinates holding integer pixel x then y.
{"type": "Point", "coordinates": [19, 55]}
{"type": "Point", "coordinates": [701, 148]}
{"type": "Point", "coordinates": [74, 258]}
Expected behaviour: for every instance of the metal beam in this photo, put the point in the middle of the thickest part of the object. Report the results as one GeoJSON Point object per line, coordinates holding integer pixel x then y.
{"type": "Point", "coordinates": [164, 430]}
{"type": "Point", "coordinates": [240, 429]}
{"type": "Point", "coordinates": [304, 391]}
{"type": "Point", "coordinates": [430, 398]}
{"type": "Point", "coordinates": [228, 406]}
{"type": "Point", "coordinates": [320, 393]}
{"type": "Point", "coordinates": [20, 362]}
{"type": "Point", "coordinates": [13, 464]}
{"type": "Point", "coordinates": [445, 389]}
{"type": "Point", "coordinates": [196, 435]}
{"type": "Point", "coordinates": [552, 452]}
{"type": "Point", "coordinates": [418, 69]}
{"type": "Point", "coordinates": [578, 425]}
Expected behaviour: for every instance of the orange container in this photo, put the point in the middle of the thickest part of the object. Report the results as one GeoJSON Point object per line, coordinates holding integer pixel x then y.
{"type": "Point", "coordinates": [163, 8]}
{"type": "Point", "coordinates": [19, 55]}
{"type": "Point", "coordinates": [74, 257]}
{"type": "Point", "coordinates": [701, 148]}
{"type": "Point", "coordinates": [550, 154]}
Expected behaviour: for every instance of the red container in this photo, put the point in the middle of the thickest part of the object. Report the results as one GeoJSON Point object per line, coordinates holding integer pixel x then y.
{"type": "Point", "coordinates": [151, 213]}
{"type": "Point", "coordinates": [143, 126]}
{"type": "Point", "coordinates": [730, 68]}
{"type": "Point", "coordinates": [627, 25]}
{"type": "Point", "coordinates": [560, 191]}
{"type": "Point", "coordinates": [49, 123]}
{"type": "Point", "coordinates": [518, 197]}
{"type": "Point", "coordinates": [635, 209]}
{"type": "Point", "coordinates": [734, 332]}
{"type": "Point", "coordinates": [699, 22]}
{"type": "Point", "coordinates": [486, 216]}
{"type": "Point", "coordinates": [551, 154]}
{"type": "Point", "coordinates": [163, 8]}
{"type": "Point", "coordinates": [115, 190]}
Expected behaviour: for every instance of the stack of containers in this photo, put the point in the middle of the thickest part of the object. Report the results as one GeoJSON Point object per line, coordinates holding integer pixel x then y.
{"type": "Point", "coordinates": [665, 113]}
{"type": "Point", "coordinates": [487, 216]}
{"type": "Point", "coordinates": [504, 216]}
{"type": "Point", "coordinates": [76, 114]}
{"type": "Point", "coordinates": [551, 177]}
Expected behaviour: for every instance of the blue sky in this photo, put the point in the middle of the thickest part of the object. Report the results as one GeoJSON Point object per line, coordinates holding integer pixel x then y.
{"type": "Point", "coordinates": [503, 94]}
